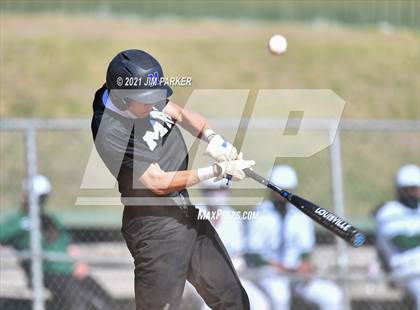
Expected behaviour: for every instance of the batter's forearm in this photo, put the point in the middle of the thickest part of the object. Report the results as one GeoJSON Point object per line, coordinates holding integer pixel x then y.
{"type": "Point", "coordinates": [194, 122]}
{"type": "Point", "coordinates": [179, 180]}
{"type": "Point", "coordinates": [163, 183]}
{"type": "Point", "coordinates": [176, 181]}
{"type": "Point", "coordinates": [191, 121]}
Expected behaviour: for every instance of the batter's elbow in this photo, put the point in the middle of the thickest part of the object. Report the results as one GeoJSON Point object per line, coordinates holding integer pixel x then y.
{"type": "Point", "coordinates": [159, 186]}
{"type": "Point", "coordinates": [157, 181]}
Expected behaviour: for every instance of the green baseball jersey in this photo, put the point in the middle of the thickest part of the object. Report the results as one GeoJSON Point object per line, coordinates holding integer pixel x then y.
{"type": "Point", "coordinates": [15, 232]}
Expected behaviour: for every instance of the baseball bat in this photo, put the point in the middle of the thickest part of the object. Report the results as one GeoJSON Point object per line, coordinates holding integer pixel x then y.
{"type": "Point", "coordinates": [325, 218]}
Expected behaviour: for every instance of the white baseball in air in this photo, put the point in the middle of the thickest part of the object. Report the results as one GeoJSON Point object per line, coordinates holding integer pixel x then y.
{"type": "Point", "coordinates": [277, 44]}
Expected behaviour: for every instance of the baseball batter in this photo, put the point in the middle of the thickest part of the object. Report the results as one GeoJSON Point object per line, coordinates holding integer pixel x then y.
{"type": "Point", "coordinates": [135, 127]}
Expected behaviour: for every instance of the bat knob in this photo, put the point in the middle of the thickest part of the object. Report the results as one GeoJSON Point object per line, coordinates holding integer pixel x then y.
{"type": "Point", "coordinates": [358, 240]}
{"type": "Point", "coordinates": [228, 179]}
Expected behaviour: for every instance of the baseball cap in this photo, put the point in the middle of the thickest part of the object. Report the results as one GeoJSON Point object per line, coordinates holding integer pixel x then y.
{"type": "Point", "coordinates": [284, 176]}
{"type": "Point", "coordinates": [41, 185]}
{"type": "Point", "coordinates": [408, 176]}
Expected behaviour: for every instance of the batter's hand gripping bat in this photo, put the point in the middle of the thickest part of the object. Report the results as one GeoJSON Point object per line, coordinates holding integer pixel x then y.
{"type": "Point", "coordinates": [320, 215]}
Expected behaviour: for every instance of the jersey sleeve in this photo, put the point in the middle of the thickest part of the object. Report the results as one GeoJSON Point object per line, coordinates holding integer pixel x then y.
{"type": "Point", "coordinates": [138, 157]}
{"type": "Point", "coordinates": [120, 149]}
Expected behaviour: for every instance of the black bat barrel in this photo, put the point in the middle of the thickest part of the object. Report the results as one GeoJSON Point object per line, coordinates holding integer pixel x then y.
{"type": "Point", "coordinates": [325, 218]}
{"type": "Point", "coordinates": [329, 220]}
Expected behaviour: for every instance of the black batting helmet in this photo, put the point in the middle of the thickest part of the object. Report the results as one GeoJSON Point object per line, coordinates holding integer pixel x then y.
{"type": "Point", "coordinates": [134, 75]}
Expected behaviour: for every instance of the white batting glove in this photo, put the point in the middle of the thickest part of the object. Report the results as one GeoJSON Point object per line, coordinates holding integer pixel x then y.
{"type": "Point", "coordinates": [220, 150]}
{"type": "Point", "coordinates": [233, 167]}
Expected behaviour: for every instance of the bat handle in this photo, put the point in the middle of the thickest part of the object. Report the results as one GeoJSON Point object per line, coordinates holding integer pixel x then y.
{"type": "Point", "coordinates": [251, 174]}
{"type": "Point", "coordinates": [228, 179]}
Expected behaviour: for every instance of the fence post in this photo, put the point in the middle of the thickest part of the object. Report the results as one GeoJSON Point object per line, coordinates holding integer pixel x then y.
{"type": "Point", "coordinates": [338, 197]}
{"type": "Point", "coordinates": [34, 215]}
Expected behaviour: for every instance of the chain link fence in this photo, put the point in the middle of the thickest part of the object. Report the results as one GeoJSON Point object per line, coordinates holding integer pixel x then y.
{"type": "Point", "coordinates": [56, 254]}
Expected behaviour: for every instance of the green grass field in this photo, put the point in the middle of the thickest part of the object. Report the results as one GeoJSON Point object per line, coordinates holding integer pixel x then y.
{"type": "Point", "coordinates": [52, 64]}
{"type": "Point", "coordinates": [400, 13]}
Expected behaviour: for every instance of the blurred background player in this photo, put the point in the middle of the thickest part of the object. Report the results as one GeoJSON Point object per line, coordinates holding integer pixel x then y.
{"type": "Point", "coordinates": [398, 232]}
{"type": "Point", "coordinates": [68, 283]}
{"type": "Point", "coordinates": [231, 230]}
{"type": "Point", "coordinates": [284, 239]}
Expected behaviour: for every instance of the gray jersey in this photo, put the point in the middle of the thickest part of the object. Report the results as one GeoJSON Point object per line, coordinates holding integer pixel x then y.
{"type": "Point", "coordinates": [128, 146]}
